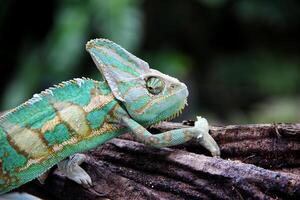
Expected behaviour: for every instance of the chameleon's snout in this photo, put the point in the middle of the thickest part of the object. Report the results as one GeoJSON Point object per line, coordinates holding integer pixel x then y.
{"type": "Point", "coordinates": [184, 91]}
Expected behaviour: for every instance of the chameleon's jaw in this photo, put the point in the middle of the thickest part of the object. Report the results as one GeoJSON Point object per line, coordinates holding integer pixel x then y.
{"type": "Point", "coordinates": [178, 112]}
{"type": "Point", "coordinates": [181, 94]}
{"type": "Point", "coordinates": [172, 116]}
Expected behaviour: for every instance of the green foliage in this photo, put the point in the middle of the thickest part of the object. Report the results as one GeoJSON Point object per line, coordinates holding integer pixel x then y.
{"type": "Point", "coordinates": [267, 73]}
{"type": "Point", "coordinates": [274, 12]}
{"type": "Point", "coordinates": [119, 21]}
{"type": "Point", "coordinates": [276, 110]}
{"type": "Point", "coordinates": [63, 46]}
{"type": "Point", "coordinates": [59, 56]}
{"type": "Point", "coordinates": [213, 3]}
{"type": "Point", "coordinates": [240, 58]}
{"type": "Point", "coordinates": [170, 62]}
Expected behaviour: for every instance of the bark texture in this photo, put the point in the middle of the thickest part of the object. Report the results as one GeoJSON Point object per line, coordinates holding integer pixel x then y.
{"type": "Point", "coordinates": [259, 161]}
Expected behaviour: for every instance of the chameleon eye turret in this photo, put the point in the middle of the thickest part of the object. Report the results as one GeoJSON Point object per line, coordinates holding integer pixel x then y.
{"type": "Point", "coordinates": [154, 85]}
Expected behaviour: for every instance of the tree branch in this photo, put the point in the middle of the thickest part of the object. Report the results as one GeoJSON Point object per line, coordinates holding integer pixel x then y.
{"type": "Point", "coordinates": [125, 169]}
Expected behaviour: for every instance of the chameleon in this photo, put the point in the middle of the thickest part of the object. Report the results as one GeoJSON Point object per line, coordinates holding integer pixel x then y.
{"type": "Point", "coordinates": [57, 125]}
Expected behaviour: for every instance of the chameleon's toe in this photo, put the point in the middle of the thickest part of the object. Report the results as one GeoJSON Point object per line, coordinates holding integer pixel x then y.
{"type": "Point", "coordinates": [202, 129]}
{"type": "Point", "coordinates": [216, 152]}
{"type": "Point", "coordinates": [80, 176]}
{"type": "Point", "coordinates": [209, 143]}
{"type": "Point", "coordinates": [85, 181]}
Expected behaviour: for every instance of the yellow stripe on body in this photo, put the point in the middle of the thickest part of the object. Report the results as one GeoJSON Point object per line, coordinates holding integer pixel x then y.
{"type": "Point", "coordinates": [28, 141]}
{"type": "Point", "coordinates": [74, 116]}
{"type": "Point", "coordinates": [50, 125]}
{"type": "Point", "coordinates": [98, 102]}
{"type": "Point", "coordinates": [106, 127]}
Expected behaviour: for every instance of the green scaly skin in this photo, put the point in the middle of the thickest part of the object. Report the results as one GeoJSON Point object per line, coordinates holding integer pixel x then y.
{"type": "Point", "coordinates": [81, 114]}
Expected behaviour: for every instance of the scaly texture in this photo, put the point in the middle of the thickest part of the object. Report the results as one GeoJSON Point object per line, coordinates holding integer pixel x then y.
{"type": "Point", "coordinates": [70, 118]}
{"type": "Point", "coordinates": [81, 114]}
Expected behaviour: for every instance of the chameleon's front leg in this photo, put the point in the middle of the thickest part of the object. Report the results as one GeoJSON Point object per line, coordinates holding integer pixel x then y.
{"type": "Point", "coordinates": [175, 137]}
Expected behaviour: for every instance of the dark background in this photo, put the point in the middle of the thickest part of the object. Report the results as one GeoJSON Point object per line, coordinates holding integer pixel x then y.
{"type": "Point", "coordinates": [240, 59]}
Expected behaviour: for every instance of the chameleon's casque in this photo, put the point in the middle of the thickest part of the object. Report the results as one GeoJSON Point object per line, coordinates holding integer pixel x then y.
{"type": "Point", "coordinates": [81, 114]}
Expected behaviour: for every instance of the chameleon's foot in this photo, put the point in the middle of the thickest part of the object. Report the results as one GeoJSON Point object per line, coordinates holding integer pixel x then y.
{"type": "Point", "coordinates": [201, 126]}
{"type": "Point", "coordinates": [71, 169]}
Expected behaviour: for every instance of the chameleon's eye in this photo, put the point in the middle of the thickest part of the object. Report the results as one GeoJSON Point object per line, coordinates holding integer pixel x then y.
{"type": "Point", "coordinates": [154, 85]}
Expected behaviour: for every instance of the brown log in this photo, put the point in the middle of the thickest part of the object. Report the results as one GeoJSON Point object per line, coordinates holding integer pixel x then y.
{"type": "Point", "coordinates": [272, 146]}
{"type": "Point", "coordinates": [258, 162]}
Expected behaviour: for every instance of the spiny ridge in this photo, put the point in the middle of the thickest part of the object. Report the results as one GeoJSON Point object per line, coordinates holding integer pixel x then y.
{"type": "Point", "coordinates": [38, 97]}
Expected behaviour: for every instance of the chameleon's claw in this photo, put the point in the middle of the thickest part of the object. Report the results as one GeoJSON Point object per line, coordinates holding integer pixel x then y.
{"type": "Point", "coordinates": [71, 169]}
{"type": "Point", "coordinates": [81, 177]}
{"type": "Point", "coordinates": [208, 142]}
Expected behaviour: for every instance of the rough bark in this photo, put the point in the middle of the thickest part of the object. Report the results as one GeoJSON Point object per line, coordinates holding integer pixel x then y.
{"type": "Point", "coordinates": [258, 162]}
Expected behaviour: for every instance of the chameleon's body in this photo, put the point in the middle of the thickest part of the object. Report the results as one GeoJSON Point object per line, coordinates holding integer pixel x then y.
{"type": "Point", "coordinates": [81, 114]}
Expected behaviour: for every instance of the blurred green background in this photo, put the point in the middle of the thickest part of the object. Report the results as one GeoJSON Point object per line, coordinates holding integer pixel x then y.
{"type": "Point", "coordinates": [240, 59]}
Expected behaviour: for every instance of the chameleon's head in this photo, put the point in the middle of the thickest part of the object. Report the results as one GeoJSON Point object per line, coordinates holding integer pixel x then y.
{"type": "Point", "coordinates": [155, 97]}
{"type": "Point", "coordinates": [148, 95]}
